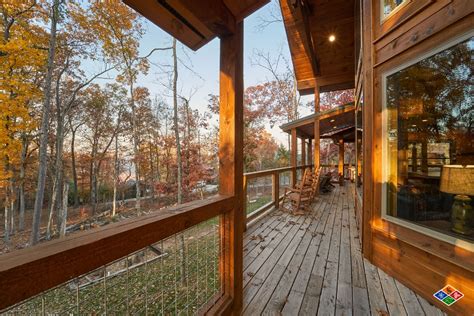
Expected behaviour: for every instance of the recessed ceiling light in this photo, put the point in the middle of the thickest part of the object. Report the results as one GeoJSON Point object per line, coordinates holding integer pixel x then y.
{"type": "Point", "coordinates": [332, 121]}
{"type": "Point", "coordinates": [332, 38]}
{"type": "Point", "coordinates": [414, 125]}
{"type": "Point", "coordinates": [335, 127]}
{"type": "Point", "coordinates": [425, 120]}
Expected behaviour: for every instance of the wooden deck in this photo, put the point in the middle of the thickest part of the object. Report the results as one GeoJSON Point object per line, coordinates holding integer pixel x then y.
{"type": "Point", "coordinates": [312, 264]}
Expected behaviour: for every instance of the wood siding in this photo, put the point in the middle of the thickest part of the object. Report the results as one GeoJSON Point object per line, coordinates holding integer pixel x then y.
{"type": "Point", "coordinates": [422, 263]}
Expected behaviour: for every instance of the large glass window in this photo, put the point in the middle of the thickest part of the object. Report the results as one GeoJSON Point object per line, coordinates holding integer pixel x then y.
{"type": "Point", "coordinates": [428, 118]}
{"type": "Point", "coordinates": [388, 6]}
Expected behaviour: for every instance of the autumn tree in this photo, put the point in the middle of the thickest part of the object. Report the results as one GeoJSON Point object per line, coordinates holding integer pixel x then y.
{"type": "Point", "coordinates": [20, 59]}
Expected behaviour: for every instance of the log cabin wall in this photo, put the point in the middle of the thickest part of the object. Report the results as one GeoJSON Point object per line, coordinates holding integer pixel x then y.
{"type": "Point", "coordinates": [424, 263]}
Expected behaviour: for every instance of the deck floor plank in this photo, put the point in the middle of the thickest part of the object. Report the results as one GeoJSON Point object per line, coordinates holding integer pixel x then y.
{"type": "Point", "coordinates": [313, 265]}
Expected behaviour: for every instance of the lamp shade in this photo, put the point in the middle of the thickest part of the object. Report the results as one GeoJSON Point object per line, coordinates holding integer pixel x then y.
{"type": "Point", "coordinates": [457, 179]}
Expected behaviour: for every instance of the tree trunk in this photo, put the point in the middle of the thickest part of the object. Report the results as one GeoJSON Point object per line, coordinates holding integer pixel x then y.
{"type": "Point", "coordinates": [175, 119]}
{"type": "Point", "coordinates": [136, 151]}
{"type": "Point", "coordinates": [21, 186]}
{"type": "Point", "coordinates": [59, 167]}
{"type": "Point", "coordinates": [43, 150]}
{"type": "Point", "coordinates": [6, 235]}
{"type": "Point", "coordinates": [116, 172]}
{"type": "Point", "coordinates": [73, 166]}
{"type": "Point", "coordinates": [51, 211]}
{"type": "Point", "coordinates": [178, 154]}
{"type": "Point", "coordinates": [63, 225]}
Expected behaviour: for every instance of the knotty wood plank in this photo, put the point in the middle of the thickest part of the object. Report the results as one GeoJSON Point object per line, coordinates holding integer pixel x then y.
{"type": "Point", "coordinates": [392, 297]}
{"type": "Point", "coordinates": [268, 257]}
{"type": "Point", "coordinates": [344, 282]}
{"type": "Point", "coordinates": [274, 235]}
{"type": "Point", "coordinates": [327, 303]}
{"type": "Point", "coordinates": [360, 295]}
{"type": "Point", "coordinates": [295, 268]}
{"type": "Point", "coordinates": [411, 303]}
{"type": "Point", "coordinates": [298, 289]}
{"type": "Point", "coordinates": [376, 296]}
{"type": "Point", "coordinates": [428, 308]}
{"type": "Point", "coordinates": [313, 291]}
{"type": "Point", "coordinates": [291, 258]}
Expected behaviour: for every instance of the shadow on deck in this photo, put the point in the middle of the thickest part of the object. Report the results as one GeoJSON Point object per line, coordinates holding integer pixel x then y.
{"type": "Point", "coordinates": [313, 264]}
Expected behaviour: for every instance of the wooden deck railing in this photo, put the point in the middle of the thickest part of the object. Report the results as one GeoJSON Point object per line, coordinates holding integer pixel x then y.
{"type": "Point", "coordinates": [26, 273]}
{"type": "Point", "coordinates": [276, 197]}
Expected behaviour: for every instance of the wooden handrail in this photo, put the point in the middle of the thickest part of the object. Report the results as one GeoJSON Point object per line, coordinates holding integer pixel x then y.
{"type": "Point", "coordinates": [268, 172]}
{"type": "Point", "coordinates": [274, 173]}
{"type": "Point", "coordinates": [31, 271]}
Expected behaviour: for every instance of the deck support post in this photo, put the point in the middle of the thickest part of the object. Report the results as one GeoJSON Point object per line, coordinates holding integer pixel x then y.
{"type": "Point", "coordinates": [293, 162]}
{"type": "Point", "coordinates": [276, 189]}
{"type": "Point", "coordinates": [231, 166]}
{"type": "Point", "coordinates": [310, 151]}
{"type": "Point", "coordinates": [341, 162]}
{"type": "Point", "coordinates": [303, 151]}
{"type": "Point", "coordinates": [316, 128]}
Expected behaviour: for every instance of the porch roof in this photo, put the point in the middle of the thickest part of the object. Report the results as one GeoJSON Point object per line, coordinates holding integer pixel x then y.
{"type": "Point", "coordinates": [335, 123]}
{"type": "Point", "coordinates": [195, 23]}
{"type": "Point", "coordinates": [319, 61]}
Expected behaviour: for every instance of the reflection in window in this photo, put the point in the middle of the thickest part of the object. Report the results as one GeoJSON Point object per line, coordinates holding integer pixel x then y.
{"type": "Point", "coordinates": [429, 117]}
{"type": "Point", "coordinates": [389, 5]}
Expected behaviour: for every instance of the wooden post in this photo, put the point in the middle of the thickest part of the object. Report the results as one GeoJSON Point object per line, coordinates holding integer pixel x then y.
{"type": "Point", "coordinates": [276, 189]}
{"type": "Point", "coordinates": [231, 124]}
{"type": "Point", "coordinates": [316, 128]}
{"type": "Point", "coordinates": [414, 158]}
{"type": "Point", "coordinates": [341, 162]}
{"type": "Point", "coordinates": [310, 151]}
{"type": "Point", "coordinates": [303, 151]}
{"type": "Point", "coordinates": [293, 156]}
{"type": "Point", "coordinates": [424, 157]}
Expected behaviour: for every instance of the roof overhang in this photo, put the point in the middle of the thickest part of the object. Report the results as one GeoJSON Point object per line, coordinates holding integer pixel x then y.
{"type": "Point", "coordinates": [336, 123]}
{"type": "Point", "coordinates": [316, 60]}
{"type": "Point", "coordinates": [195, 23]}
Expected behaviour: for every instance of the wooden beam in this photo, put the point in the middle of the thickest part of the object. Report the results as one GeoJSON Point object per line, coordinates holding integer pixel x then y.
{"type": "Point", "coordinates": [368, 118]}
{"type": "Point", "coordinates": [317, 141]}
{"type": "Point", "coordinates": [302, 12]}
{"type": "Point", "coordinates": [293, 161]}
{"type": "Point", "coordinates": [231, 154]}
{"type": "Point", "coordinates": [205, 15]}
{"type": "Point", "coordinates": [160, 16]}
{"type": "Point", "coordinates": [243, 8]}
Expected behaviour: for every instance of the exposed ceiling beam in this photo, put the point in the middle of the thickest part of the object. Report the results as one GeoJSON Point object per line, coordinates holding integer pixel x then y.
{"type": "Point", "coordinates": [243, 8]}
{"type": "Point", "coordinates": [302, 11]}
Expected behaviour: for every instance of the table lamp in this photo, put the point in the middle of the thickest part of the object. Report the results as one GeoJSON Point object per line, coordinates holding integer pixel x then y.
{"type": "Point", "coordinates": [459, 180]}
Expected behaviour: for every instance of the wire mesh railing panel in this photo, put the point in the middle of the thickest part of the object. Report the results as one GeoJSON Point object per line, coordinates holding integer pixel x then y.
{"type": "Point", "coordinates": [259, 193]}
{"type": "Point", "coordinates": [175, 276]}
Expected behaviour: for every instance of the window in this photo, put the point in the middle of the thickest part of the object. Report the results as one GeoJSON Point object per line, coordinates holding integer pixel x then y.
{"type": "Point", "coordinates": [389, 6]}
{"type": "Point", "coordinates": [428, 143]}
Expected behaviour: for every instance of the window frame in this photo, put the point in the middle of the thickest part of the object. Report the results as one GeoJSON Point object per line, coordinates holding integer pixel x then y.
{"type": "Point", "coordinates": [465, 244]}
{"type": "Point", "coordinates": [384, 17]}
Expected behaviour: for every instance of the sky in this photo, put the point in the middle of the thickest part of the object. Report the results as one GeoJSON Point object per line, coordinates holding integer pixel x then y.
{"type": "Point", "coordinates": [199, 71]}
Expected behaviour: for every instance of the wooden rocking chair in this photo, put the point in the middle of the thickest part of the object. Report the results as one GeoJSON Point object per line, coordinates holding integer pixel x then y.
{"type": "Point", "coordinates": [300, 196]}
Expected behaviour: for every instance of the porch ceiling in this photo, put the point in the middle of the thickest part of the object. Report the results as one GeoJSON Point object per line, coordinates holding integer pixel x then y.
{"type": "Point", "coordinates": [335, 123]}
{"type": "Point", "coordinates": [195, 23]}
{"type": "Point", "coordinates": [309, 24]}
